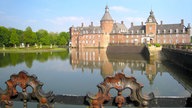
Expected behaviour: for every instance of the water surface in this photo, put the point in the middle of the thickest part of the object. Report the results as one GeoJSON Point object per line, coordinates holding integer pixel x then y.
{"type": "Point", "coordinates": [78, 71]}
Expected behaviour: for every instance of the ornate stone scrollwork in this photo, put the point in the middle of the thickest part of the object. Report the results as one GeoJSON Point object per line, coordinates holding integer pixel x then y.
{"type": "Point", "coordinates": [120, 82]}
{"type": "Point", "coordinates": [24, 80]}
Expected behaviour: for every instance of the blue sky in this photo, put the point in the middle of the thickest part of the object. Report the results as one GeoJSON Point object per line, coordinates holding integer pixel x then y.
{"type": "Point", "coordinates": [59, 15]}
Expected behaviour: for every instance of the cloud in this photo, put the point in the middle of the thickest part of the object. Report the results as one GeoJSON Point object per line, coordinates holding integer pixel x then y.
{"type": "Point", "coordinates": [63, 20]}
{"type": "Point", "coordinates": [121, 9]}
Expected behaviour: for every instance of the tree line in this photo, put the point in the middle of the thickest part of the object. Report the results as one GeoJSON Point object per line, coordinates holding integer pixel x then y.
{"type": "Point", "coordinates": [10, 37]}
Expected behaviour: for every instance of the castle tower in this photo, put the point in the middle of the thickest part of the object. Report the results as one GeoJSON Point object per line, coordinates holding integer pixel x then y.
{"type": "Point", "coordinates": [106, 22]}
{"type": "Point", "coordinates": [106, 27]}
{"type": "Point", "coordinates": [151, 27]}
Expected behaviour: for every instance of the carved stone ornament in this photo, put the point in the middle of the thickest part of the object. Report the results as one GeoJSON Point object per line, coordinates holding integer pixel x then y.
{"type": "Point", "coordinates": [119, 82]}
{"type": "Point", "coordinates": [23, 80]}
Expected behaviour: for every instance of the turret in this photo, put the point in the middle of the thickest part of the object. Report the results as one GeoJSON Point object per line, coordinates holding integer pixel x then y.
{"type": "Point", "coordinates": [106, 21]}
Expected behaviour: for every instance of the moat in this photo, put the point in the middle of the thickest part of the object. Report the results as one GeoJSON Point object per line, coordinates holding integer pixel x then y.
{"type": "Point", "coordinates": [77, 72]}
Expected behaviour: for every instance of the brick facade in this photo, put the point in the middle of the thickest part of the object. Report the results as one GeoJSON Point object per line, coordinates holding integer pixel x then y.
{"type": "Point", "coordinates": [117, 33]}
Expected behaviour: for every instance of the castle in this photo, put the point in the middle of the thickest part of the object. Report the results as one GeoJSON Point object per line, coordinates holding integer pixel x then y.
{"type": "Point", "coordinates": [113, 33]}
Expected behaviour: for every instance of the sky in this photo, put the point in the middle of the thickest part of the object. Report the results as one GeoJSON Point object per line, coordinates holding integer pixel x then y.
{"type": "Point", "coordinates": [60, 15]}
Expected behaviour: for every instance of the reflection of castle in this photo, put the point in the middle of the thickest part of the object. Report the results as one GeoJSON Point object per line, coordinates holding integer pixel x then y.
{"type": "Point", "coordinates": [110, 32]}
{"type": "Point", "coordinates": [111, 63]}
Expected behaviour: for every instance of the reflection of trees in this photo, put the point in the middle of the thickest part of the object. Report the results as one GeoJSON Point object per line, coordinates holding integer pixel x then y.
{"type": "Point", "coordinates": [12, 59]}
{"type": "Point", "coordinates": [43, 57]}
{"type": "Point", "coordinates": [28, 58]}
{"type": "Point", "coordinates": [15, 59]}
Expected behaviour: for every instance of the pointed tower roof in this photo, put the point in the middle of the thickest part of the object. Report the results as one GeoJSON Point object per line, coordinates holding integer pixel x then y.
{"type": "Point", "coordinates": [107, 16]}
{"type": "Point", "coordinates": [151, 18]}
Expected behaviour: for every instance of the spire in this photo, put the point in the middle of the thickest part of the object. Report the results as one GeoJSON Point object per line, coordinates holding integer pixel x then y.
{"type": "Point", "coordinates": [107, 16]}
{"type": "Point", "coordinates": [151, 18]}
{"type": "Point", "coordinates": [106, 9]}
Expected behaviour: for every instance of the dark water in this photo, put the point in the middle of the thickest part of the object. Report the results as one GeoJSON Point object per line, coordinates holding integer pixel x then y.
{"type": "Point", "coordinates": [78, 72]}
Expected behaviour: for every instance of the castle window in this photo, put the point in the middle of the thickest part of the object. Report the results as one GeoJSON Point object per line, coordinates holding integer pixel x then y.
{"type": "Point", "coordinates": [137, 31]}
{"type": "Point", "coordinates": [143, 31]}
{"type": "Point", "coordinates": [131, 31]}
{"type": "Point", "coordinates": [150, 28]}
{"type": "Point", "coordinates": [183, 30]}
{"type": "Point", "coordinates": [183, 41]}
{"type": "Point", "coordinates": [177, 31]}
{"type": "Point", "coordinates": [164, 31]}
{"type": "Point", "coordinates": [170, 30]}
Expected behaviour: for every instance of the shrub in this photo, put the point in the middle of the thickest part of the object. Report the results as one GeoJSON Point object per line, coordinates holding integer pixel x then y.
{"type": "Point", "coordinates": [157, 45]}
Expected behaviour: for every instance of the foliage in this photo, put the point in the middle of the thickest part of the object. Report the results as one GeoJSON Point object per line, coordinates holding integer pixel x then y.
{"type": "Point", "coordinates": [29, 36]}
{"type": "Point", "coordinates": [11, 36]}
{"type": "Point", "coordinates": [157, 45]}
{"type": "Point", "coordinates": [14, 39]}
{"type": "Point", "coordinates": [4, 36]}
{"type": "Point", "coordinates": [149, 45]}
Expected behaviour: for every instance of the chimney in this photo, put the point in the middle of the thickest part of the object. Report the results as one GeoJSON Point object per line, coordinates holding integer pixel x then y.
{"type": "Point", "coordinates": [122, 22]}
{"type": "Point", "coordinates": [161, 22]}
{"type": "Point", "coordinates": [82, 24]}
{"type": "Point", "coordinates": [142, 23]}
{"type": "Point", "coordinates": [182, 22]}
{"type": "Point", "coordinates": [189, 26]}
{"type": "Point", "coordinates": [91, 23]}
{"type": "Point", "coordinates": [131, 24]}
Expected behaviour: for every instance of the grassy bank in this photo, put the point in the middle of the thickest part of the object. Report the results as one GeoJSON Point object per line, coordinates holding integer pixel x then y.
{"type": "Point", "coordinates": [31, 49]}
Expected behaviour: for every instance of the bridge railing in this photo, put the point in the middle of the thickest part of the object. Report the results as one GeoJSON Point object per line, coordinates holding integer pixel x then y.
{"type": "Point", "coordinates": [184, 47]}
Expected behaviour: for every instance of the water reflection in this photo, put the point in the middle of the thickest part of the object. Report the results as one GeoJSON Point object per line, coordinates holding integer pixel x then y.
{"type": "Point", "coordinates": [80, 72]}
{"type": "Point", "coordinates": [153, 74]}
{"type": "Point", "coordinates": [13, 59]}
{"type": "Point", "coordinates": [111, 63]}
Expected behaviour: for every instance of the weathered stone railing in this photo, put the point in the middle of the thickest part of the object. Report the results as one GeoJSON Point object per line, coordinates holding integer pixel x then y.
{"type": "Point", "coordinates": [24, 80]}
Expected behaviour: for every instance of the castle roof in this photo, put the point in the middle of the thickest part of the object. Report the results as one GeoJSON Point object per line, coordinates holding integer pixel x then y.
{"type": "Point", "coordinates": [151, 18]}
{"type": "Point", "coordinates": [107, 16]}
{"type": "Point", "coordinates": [119, 28]}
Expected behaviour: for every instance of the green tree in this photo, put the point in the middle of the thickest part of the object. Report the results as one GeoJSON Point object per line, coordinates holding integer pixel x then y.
{"type": "Point", "coordinates": [53, 38]}
{"type": "Point", "coordinates": [4, 36]}
{"type": "Point", "coordinates": [14, 38]}
{"type": "Point", "coordinates": [29, 36]}
{"type": "Point", "coordinates": [63, 38]}
{"type": "Point", "coordinates": [43, 37]}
